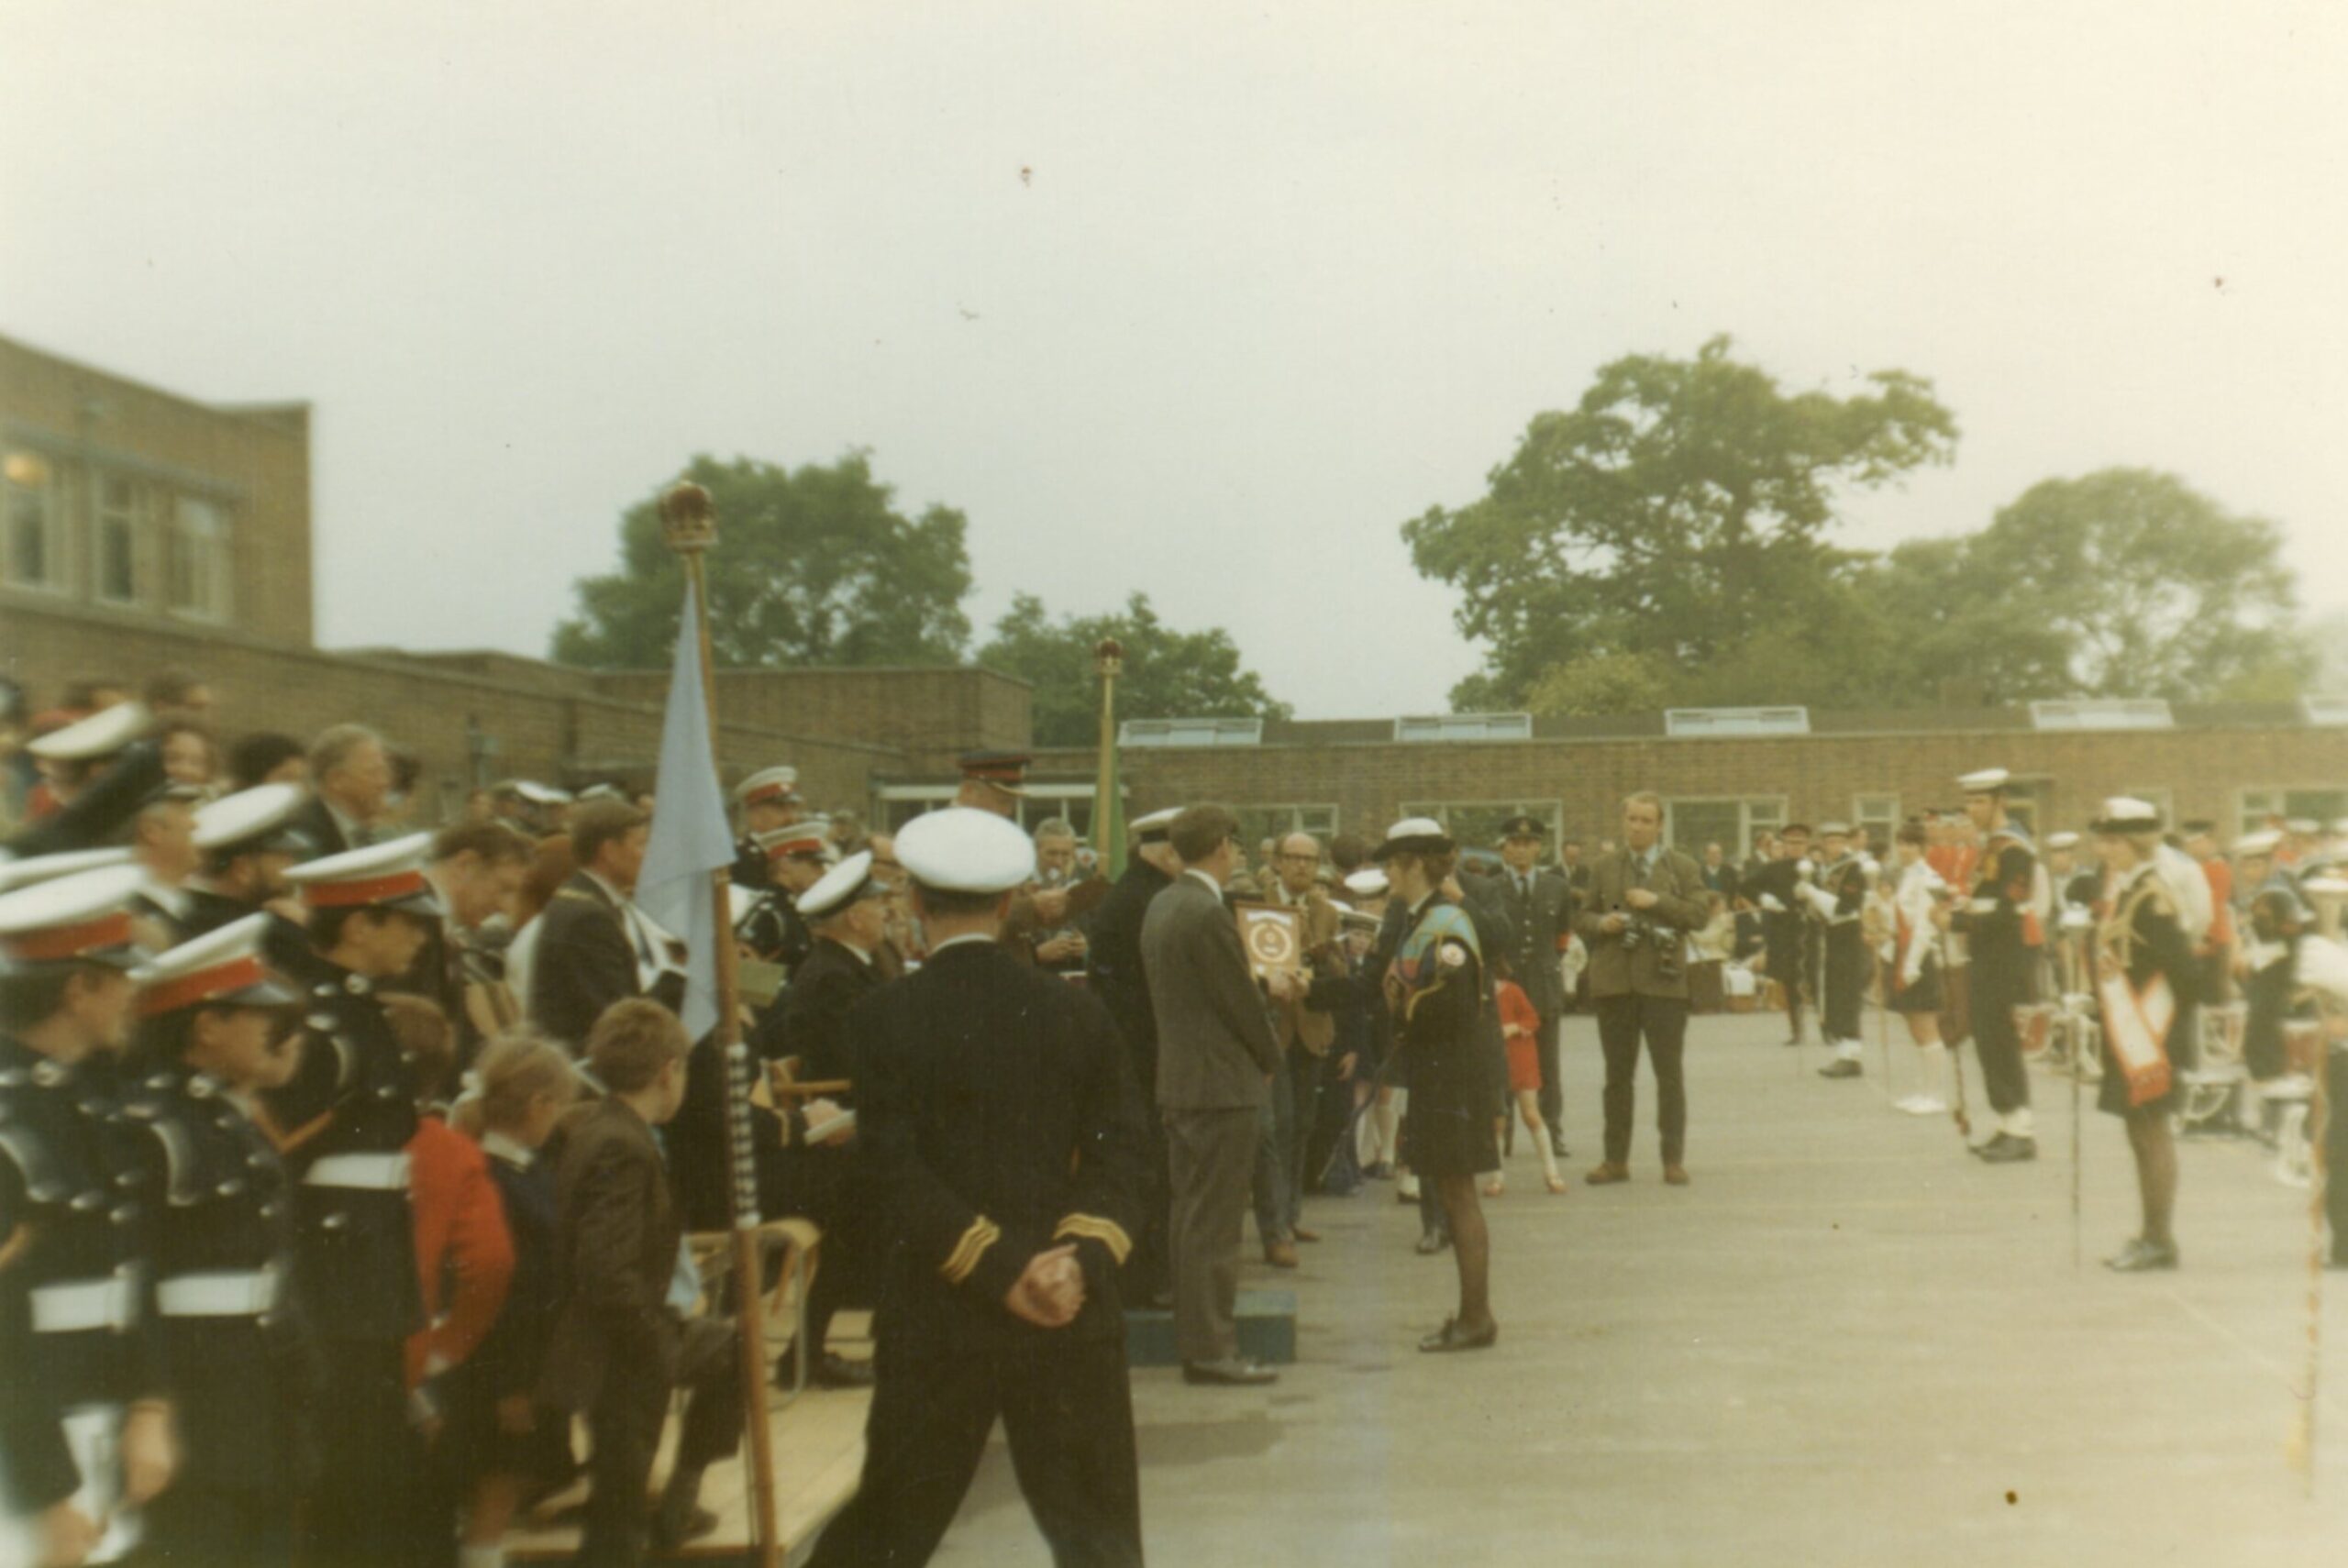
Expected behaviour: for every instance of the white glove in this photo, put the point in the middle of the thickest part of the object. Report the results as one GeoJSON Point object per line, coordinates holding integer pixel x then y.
{"type": "Point", "coordinates": [1769, 902]}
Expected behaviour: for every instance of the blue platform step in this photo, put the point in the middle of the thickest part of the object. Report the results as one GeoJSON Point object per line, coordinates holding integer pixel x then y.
{"type": "Point", "coordinates": [1267, 1332]}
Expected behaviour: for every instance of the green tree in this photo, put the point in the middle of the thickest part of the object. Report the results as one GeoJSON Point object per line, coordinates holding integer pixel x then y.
{"type": "Point", "coordinates": [815, 565]}
{"type": "Point", "coordinates": [1168, 674]}
{"type": "Point", "coordinates": [1676, 516]}
{"type": "Point", "coordinates": [2121, 583]}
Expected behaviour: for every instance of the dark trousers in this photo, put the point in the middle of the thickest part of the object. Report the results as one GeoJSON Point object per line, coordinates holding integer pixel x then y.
{"type": "Point", "coordinates": [1304, 1115]}
{"type": "Point", "coordinates": [362, 1509]}
{"type": "Point", "coordinates": [1846, 982]}
{"type": "Point", "coordinates": [1663, 1021]}
{"type": "Point", "coordinates": [215, 1526]}
{"type": "Point", "coordinates": [1068, 1413]}
{"type": "Point", "coordinates": [2266, 997]}
{"type": "Point", "coordinates": [625, 1427]}
{"type": "Point", "coordinates": [1994, 997]}
{"type": "Point", "coordinates": [1553, 1091]}
{"type": "Point", "coordinates": [1275, 1131]}
{"type": "Point", "coordinates": [1209, 1156]}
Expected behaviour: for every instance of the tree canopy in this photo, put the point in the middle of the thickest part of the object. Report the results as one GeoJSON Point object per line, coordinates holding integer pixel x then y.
{"type": "Point", "coordinates": [1674, 517]}
{"type": "Point", "coordinates": [815, 566]}
{"type": "Point", "coordinates": [1167, 673]}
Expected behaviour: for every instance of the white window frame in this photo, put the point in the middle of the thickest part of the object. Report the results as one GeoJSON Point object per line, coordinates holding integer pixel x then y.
{"type": "Point", "coordinates": [1202, 731]}
{"type": "Point", "coordinates": [2103, 713]}
{"type": "Point", "coordinates": [2253, 806]}
{"type": "Point", "coordinates": [1319, 821]}
{"type": "Point", "coordinates": [213, 561]}
{"type": "Point", "coordinates": [131, 517]}
{"type": "Point", "coordinates": [1753, 814]}
{"type": "Point", "coordinates": [25, 471]}
{"type": "Point", "coordinates": [1682, 723]}
{"type": "Point", "coordinates": [1420, 730]}
{"type": "Point", "coordinates": [1886, 814]}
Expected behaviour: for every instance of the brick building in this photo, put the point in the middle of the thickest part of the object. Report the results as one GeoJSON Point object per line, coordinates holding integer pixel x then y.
{"type": "Point", "coordinates": [141, 529]}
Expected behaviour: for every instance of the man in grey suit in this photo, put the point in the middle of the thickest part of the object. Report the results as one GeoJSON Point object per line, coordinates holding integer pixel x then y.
{"type": "Point", "coordinates": [1216, 1054]}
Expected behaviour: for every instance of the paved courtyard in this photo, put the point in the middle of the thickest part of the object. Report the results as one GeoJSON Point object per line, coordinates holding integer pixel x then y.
{"type": "Point", "coordinates": [1847, 1342]}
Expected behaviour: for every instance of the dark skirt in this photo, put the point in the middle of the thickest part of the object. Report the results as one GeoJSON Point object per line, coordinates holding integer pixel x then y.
{"type": "Point", "coordinates": [1447, 1131]}
{"type": "Point", "coordinates": [2183, 1055]}
{"type": "Point", "coordinates": [1921, 995]}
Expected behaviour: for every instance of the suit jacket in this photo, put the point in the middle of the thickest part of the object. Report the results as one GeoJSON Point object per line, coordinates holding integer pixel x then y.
{"type": "Point", "coordinates": [1215, 1029]}
{"type": "Point", "coordinates": [616, 1233]}
{"type": "Point", "coordinates": [1301, 1021]}
{"type": "Point", "coordinates": [997, 1119]}
{"type": "Point", "coordinates": [1538, 922]}
{"type": "Point", "coordinates": [1114, 961]}
{"type": "Point", "coordinates": [808, 1020]}
{"type": "Point", "coordinates": [317, 824]}
{"type": "Point", "coordinates": [584, 962]}
{"type": "Point", "coordinates": [1616, 969]}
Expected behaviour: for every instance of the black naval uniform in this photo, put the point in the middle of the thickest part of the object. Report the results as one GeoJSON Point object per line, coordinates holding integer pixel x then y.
{"type": "Point", "coordinates": [241, 1368]}
{"type": "Point", "coordinates": [1785, 930]}
{"type": "Point", "coordinates": [75, 1346]}
{"type": "Point", "coordinates": [344, 1124]}
{"type": "Point", "coordinates": [2002, 968]}
{"type": "Point", "coordinates": [1845, 938]}
{"type": "Point", "coordinates": [998, 1121]}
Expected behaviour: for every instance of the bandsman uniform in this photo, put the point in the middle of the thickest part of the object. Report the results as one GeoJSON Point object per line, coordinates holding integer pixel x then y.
{"type": "Point", "coordinates": [222, 1264]}
{"type": "Point", "coordinates": [1836, 898]}
{"type": "Point", "coordinates": [2002, 925]}
{"type": "Point", "coordinates": [343, 1125]}
{"type": "Point", "coordinates": [261, 825]}
{"type": "Point", "coordinates": [997, 1121]}
{"type": "Point", "coordinates": [767, 798]}
{"type": "Point", "coordinates": [77, 1350]}
{"type": "Point", "coordinates": [1775, 886]}
{"type": "Point", "coordinates": [125, 768]}
{"type": "Point", "coordinates": [775, 932]}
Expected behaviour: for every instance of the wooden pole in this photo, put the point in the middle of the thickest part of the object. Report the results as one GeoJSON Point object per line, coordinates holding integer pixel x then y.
{"type": "Point", "coordinates": [689, 524]}
{"type": "Point", "coordinates": [1108, 823]}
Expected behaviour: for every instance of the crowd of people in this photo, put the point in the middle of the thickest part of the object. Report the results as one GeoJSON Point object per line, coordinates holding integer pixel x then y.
{"type": "Point", "coordinates": [349, 1168]}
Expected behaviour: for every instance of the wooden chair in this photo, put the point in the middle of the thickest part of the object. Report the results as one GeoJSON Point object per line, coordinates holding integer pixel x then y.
{"type": "Point", "coordinates": [800, 1242]}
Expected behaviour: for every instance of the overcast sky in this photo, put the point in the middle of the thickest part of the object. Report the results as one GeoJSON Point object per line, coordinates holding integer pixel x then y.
{"type": "Point", "coordinates": [1196, 299]}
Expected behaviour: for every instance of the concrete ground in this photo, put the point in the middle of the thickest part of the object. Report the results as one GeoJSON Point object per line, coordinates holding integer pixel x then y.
{"type": "Point", "coordinates": [1847, 1342]}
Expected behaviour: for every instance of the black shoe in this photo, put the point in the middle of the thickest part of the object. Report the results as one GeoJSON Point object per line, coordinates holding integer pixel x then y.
{"type": "Point", "coordinates": [2004, 1151]}
{"type": "Point", "coordinates": [1432, 1242]}
{"type": "Point", "coordinates": [2141, 1257]}
{"type": "Point", "coordinates": [1234, 1372]}
{"type": "Point", "coordinates": [679, 1517]}
{"type": "Point", "coordinates": [1452, 1337]}
{"type": "Point", "coordinates": [1840, 1068]}
{"type": "Point", "coordinates": [1557, 1144]}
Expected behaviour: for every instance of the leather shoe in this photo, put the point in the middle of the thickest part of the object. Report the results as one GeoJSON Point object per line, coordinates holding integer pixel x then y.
{"type": "Point", "coordinates": [2005, 1151]}
{"type": "Point", "coordinates": [1281, 1255]}
{"type": "Point", "coordinates": [1232, 1372]}
{"type": "Point", "coordinates": [1840, 1068]}
{"type": "Point", "coordinates": [1674, 1175]}
{"type": "Point", "coordinates": [830, 1370]}
{"type": "Point", "coordinates": [679, 1520]}
{"type": "Point", "coordinates": [2141, 1257]}
{"type": "Point", "coordinates": [1557, 1146]}
{"type": "Point", "coordinates": [1452, 1337]}
{"type": "Point", "coordinates": [1606, 1173]}
{"type": "Point", "coordinates": [1302, 1235]}
{"type": "Point", "coordinates": [1432, 1242]}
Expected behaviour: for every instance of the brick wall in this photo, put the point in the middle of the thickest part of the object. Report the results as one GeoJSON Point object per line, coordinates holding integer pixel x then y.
{"type": "Point", "coordinates": [421, 708]}
{"type": "Point", "coordinates": [256, 461]}
{"type": "Point", "coordinates": [2205, 769]}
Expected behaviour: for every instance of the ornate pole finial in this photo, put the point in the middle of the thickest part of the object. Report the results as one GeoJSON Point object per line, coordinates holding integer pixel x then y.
{"type": "Point", "coordinates": [688, 519]}
{"type": "Point", "coordinates": [1108, 658]}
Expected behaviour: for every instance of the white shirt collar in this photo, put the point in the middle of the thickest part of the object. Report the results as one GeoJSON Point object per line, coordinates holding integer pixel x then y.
{"type": "Point", "coordinates": [350, 827]}
{"type": "Point", "coordinates": [499, 1145]}
{"type": "Point", "coordinates": [612, 893]}
{"type": "Point", "coordinates": [1212, 886]}
{"type": "Point", "coordinates": [968, 936]}
{"type": "Point", "coordinates": [175, 900]}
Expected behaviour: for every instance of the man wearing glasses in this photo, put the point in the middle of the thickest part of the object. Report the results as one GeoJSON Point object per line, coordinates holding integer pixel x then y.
{"type": "Point", "coordinates": [1304, 1033]}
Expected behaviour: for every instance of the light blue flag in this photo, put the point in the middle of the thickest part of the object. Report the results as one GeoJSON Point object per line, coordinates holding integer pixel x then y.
{"type": "Point", "coordinates": [689, 837]}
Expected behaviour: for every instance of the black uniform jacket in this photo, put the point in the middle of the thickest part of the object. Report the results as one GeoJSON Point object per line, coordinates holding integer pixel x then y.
{"type": "Point", "coordinates": [75, 1196]}
{"type": "Point", "coordinates": [997, 1119]}
{"type": "Point", "coordinates": [97, 815]}
{"type": "Point", "coordinates": [584, 963]}
{"type": "Point", "coordinates": [808, 1018]}
{"type": "Point", "coordinates": [354, 1093]}
{"type": "Point", "coordinates": [239, 1380]}
{"type": "Point", "coordinates": [1113, 956]}
{"type": "Point", "coordinates": [1992, 919]}
{"type": "Point", "coordinates": [1536, 925]}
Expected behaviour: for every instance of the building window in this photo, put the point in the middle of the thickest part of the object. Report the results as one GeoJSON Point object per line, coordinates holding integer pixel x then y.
{"type": "Point", "coordinates": [1476, 823]}
{"type": "Point", "coordinates": [2324, 806]}
{"type": "Point", "coordinates": [2103, 713]}
{"type": "Point", "coordinates": [1464, 726]}
{"type": "Point", "coordinates": [2028, 800]}
{"type": "Point", "coordinates": [120, 498]}
{"type": "Point", "coordinates": [1191, 731]}
{"type": "Point", "coordinates": [1682, 722]}
{"type": "Point", "coordinates": [32, 554]}
{"type": "Point", "coordinates": [1877, 816]}
{"type": "Point", "coordinates": [1731, 822]}
{"type": "Point", "coordinates": [197, 559]}
{"type": "Point", "coordinates": [1258, 824]}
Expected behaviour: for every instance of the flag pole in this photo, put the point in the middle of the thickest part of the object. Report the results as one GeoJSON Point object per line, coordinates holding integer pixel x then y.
{"type": "Point", "coordinates": [1108, 805]}
{"type": "Point", "coordinates": [689, 527]}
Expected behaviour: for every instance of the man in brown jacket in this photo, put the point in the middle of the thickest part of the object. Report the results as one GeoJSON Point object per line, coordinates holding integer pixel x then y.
{"type": "Point", "coordinates": [620, 1344]}
{"type": "Point", "coordinates": [1644, 898]}
{"type": "Point", "coordinates": [1303, 1033]}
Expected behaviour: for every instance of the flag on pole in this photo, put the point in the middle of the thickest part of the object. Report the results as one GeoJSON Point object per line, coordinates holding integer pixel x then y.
{"type": "Point", "coordinates": [691, 840]}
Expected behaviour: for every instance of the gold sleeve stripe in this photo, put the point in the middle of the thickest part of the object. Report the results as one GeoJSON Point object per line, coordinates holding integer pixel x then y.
{"type": "Point", "coordinates": [983, 1233]}
{"type": "Point", "coordinates": [1108, 1232]}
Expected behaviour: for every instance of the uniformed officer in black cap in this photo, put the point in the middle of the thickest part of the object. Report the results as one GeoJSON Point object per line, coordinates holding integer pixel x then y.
{"type": "Point", "coordinates": [343, 1125]}
{"type": "Point", "coordinates": [86, 1430]}
{"type": "Point", "coordinates": [218, 1029]}
{"type": "Point", "coordinates": [998, 1129]}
